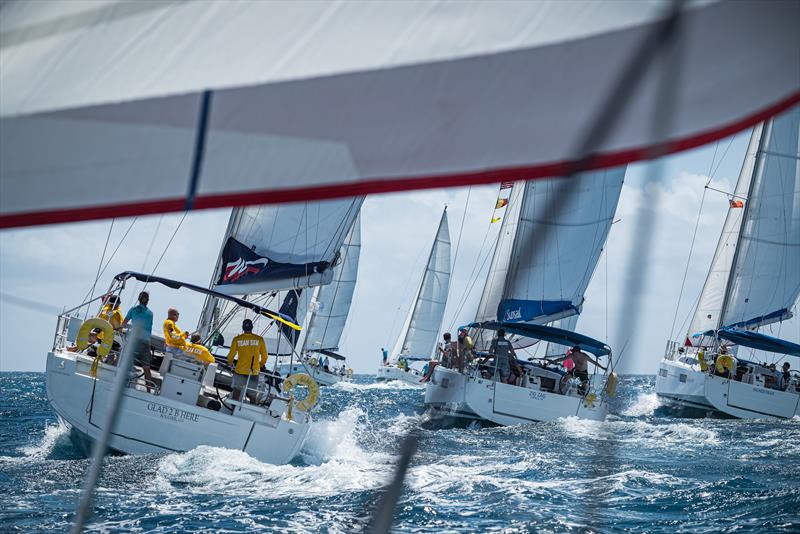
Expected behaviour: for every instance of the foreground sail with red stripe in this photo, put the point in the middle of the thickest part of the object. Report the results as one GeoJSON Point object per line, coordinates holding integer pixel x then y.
{"type": "Point", "coordinates": [327, 100]}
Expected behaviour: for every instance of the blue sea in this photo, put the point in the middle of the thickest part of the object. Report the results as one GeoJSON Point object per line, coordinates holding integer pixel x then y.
{"type": "Point", "coordinates": [640, 471]}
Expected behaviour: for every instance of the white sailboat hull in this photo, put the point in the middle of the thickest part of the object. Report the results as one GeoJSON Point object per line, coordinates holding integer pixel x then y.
{"type": "Point", "coordinates": [148, 423]}
{"type": "Point", "coordinates": [685, 385]}
{"type": "Point", "coordinates": [468, 397]}
{"type": "Point", "coordinates": [322, 378]}
{"type": "Point", "coordinates": [388, 373]}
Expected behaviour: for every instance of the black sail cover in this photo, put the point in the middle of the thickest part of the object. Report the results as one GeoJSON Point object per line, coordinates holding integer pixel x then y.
{"type": "Point", "coordinates": [289, 309]}
{"type": "Point", "coordinates": [242, 265]}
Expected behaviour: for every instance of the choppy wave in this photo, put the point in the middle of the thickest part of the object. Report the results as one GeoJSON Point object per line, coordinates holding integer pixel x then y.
{"type": "Point", "coordinates": [636, 472]}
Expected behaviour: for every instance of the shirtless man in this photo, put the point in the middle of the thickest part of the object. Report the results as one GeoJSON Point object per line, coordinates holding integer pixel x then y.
{"type": "Point", "coordinates": [581, 369]}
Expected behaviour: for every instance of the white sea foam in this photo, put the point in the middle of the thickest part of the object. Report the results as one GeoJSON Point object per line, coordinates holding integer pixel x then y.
{"type": "Point", "coordinates": [392, 384]}
{"type": "Point", "coordinates": [338, 464]}
{"type": "Point", "coordinates": [45, 445]}
{"type": "Point", "coordinates": [643, 433]}
{"type": "Point", "coordinates": [644, 405]}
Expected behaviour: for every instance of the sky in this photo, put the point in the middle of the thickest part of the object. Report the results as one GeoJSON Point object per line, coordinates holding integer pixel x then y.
{"type": "Point", "coordinates": [44, 270]}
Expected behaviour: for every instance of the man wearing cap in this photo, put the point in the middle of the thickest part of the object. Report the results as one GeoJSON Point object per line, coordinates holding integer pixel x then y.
{"type": "Point", "coordinates": [250, 352]}
{"type": "Point", "coordinates": [92, 346]}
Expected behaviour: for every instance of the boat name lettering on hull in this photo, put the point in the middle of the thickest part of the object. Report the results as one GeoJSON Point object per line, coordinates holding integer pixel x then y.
{"type": "Point", "coordinates": [764, 391]}
{"type": "Point", "coordinates": [173, 414]}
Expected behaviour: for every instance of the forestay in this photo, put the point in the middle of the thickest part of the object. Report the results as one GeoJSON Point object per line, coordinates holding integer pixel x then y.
{"type": "Point", "coordinates": [425, 319]}
{"type": "Point", "coordinates": [330, 308]}
{"type": "Point", "coordinates": [178, 105]}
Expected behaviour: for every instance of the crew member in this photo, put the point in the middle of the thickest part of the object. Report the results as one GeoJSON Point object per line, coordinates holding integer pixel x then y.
{"type": "Point", "coordinates": [197, 350]}
{"type": "Point", "coordinates": [250, 352]}
{"type": "Point", "coordinates": [503, 353]}
{"type": "Point", "coordinates": [141, 318]}
{"type": "Point", "coordinates": [174, 339]}
{"type": "Point", "coordinates": [581, 369]}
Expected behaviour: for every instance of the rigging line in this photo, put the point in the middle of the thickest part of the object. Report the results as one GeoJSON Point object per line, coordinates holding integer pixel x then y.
{"type": "Point", "coordinates": [461, 229]}
{"type": "Point", "coordinates": [90, 294]}
{"type": "Point", "coordinates": [135, 293]}
{"type": "Point", "coordinates": [185, 213]}
{"type": "Point", "coordinates": [688, 262]}
{"type": "Point", "coordinates": [111, 257]}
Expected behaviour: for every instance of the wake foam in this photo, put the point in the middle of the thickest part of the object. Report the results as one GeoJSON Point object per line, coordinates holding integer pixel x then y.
{"type": "Point", "coordinates": [52, 434]}
{"type": "Point", "coordinates": [641, 433]}
{"type": "Point", "coordinates": [391, 385]}
{"type": "Point", "coordinates": [335, 463]}
{"type": "Point", "coordinates": [645, 404]}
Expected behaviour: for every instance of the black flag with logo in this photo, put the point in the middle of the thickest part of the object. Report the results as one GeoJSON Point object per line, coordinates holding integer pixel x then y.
{"type": "Point", "coordinates": [242, 265]}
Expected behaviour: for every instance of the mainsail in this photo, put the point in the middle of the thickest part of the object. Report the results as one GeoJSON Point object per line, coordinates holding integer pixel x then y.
{"type": "Point", "coordinates": [331, 306]}
{"type": "Point", "coordinates": [541, 289]}
{"type": "Point", "coordinates": [754, 277]}
{"type": "Point", "coordinates": [418, 337]}
{"type": "Point", "coordinates": [281, 252]}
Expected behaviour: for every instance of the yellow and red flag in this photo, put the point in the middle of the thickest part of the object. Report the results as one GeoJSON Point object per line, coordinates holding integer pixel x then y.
{"type": "Point", "coordinates": [496, 219]}
{"type": "Point", "coordinates": [736, 203]}
{"type": "Point", "coordinates": [500, 203]}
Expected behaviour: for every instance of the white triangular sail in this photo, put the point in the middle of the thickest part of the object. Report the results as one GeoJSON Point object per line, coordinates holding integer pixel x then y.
{"type": "Point", "coordinates": [331, 305]}
{"type": "Point", "coordinates": [709, 307]}
{"type": "Point", "coordinates": [425, 318]}
{"type": "Point", "coordinates": [284, 246]}
{"type": "Point", "coordinates": [147, 93]}
{"type": "Point", "coordinates": [549, 285]}
{"type": "Point", "coordinates": [754, 278]}
{"type": "Point", "coordinates": [766, 274]}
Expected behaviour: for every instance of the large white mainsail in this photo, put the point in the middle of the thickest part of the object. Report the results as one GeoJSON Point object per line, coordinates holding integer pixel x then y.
{"type": "Point", "coordinates": [277, 254]}
{"type": "Point", "coordinates": [331, 305]}
{"type": "Point", "coordinates": [549, 286]}
{"type": "Point", "coordinates": [754, 277]}
{"type": "Point", "coordinates": [418, 337]}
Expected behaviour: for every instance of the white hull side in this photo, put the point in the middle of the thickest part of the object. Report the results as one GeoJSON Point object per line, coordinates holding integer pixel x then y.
{"type": "Point", "coordinates": [681, 385]}
{"type": "Point", "coordinates": [444, 394]}
{"type": "Point", "coordinates": [387, 373]}
{"type": "Point", "coordinates": [470, 397]}
{"type": "Point", "coordinates": [322, 378]}
{"type": "Point", "coordinates": [151, 424]}
{"type": "Point", "coordinates": [729, 397]}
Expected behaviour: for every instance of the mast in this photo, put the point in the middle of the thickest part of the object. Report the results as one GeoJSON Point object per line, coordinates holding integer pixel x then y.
{"type": "Point", "coordinates": [758, 164]}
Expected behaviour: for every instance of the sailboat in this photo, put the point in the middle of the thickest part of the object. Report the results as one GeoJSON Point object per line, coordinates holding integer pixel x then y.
{"type": "Point", "coordinates": [283, 253]}
{"type": "Point", "coordinates": [417, 339]}
{"type": "Point", "coordinates": [176, 411]}
{"type": "Point", "coordinates": [753, 281]}
{"type": "Point", "coordinates": [523, 293]}
{"type": "Point", "coordinates": [327, 316]}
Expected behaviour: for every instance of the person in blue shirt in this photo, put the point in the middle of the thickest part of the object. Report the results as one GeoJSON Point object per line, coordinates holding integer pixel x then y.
{"type": "Point", "coordinates": [385, 356]}
{"type": "Point", "coordinates": [141, 318]}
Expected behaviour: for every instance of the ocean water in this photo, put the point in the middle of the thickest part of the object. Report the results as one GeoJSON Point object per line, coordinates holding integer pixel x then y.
{"type": "Point", "coordinates": [640, 471]}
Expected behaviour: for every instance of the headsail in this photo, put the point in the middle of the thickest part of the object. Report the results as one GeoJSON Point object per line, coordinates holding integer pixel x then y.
{"type": "Point", "coordinates": [550, 286]}
{"type": "Point", "coordinates": [284, 246]}
{"type": "Point", "coordinates": [332, 304]}
{"type": "Point", "coordinates": [766, 275]}
{"type": "Point", "coordinates": [755, 275]}
{"type": "Point", "coordinates": [418, 338]}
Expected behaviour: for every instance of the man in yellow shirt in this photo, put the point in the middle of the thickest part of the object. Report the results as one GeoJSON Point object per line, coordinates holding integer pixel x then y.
{"type": "Point", "coordinates": [198, 351]}
{"type": "Point", "coordinates": [174, 339]}
{"type": "Point", "coordinates": [252, 355]}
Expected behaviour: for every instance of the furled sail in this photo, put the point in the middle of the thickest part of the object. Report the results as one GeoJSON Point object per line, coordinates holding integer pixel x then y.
{"type": "Point", "coordinates": [146, 92]}
{"type": "Point", "coordinates": [549, 286]}
{"type": "Point", "coordinates": [766, 272]}
{"type": "Point", "coordinates": [286, 246]}
{"type": "Point", "coordinates": [754, 277]}
{"type": "Point", "coordinates": [331, 306]}
{"type": "Point", "coordinates": [418, 337]}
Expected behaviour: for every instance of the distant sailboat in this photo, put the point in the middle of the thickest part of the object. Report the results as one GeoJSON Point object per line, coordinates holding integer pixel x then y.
{"type": "Point", "coordinates": [417, 339]}
{"type": "Point", "coordinates": [327, 316]}
{"type": "Point", "coordinates": [753, 281]}
{"type": "Point", "coordinates": [526, 290]}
